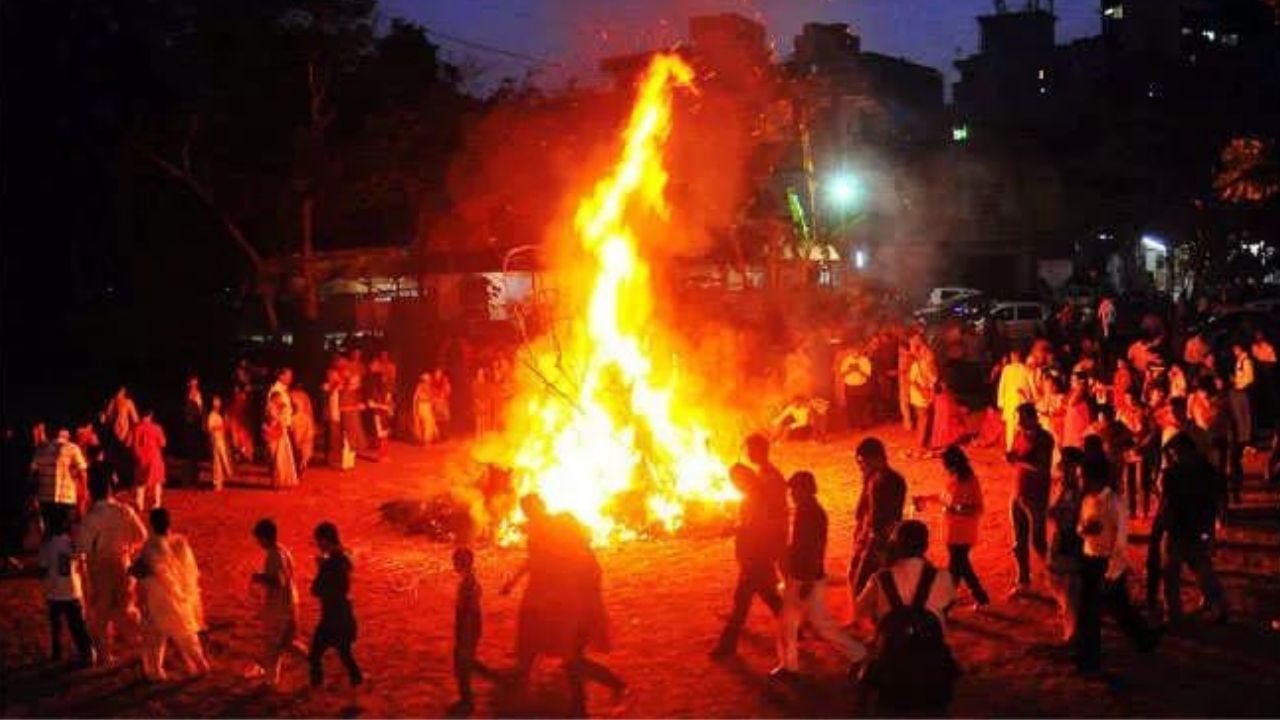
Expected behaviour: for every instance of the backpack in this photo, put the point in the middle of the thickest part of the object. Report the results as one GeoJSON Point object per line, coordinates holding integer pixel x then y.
{"type": "Point", "coordinates": [913, 667]}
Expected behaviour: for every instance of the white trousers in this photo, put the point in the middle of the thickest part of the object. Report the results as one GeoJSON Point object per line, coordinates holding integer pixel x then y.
{"type": "Point", "coordinates": [795, 610]}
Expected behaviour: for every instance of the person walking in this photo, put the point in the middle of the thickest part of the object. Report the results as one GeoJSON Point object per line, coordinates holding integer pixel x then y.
{"type": "Point", "coordinates": [1104, 571]}
{"type": "Point", "coordinates": [879, 509]}
{"type": "Point", "coordinates": [337, 627]}
{"type": "Point", "coordinates": [1031, 458]}
{"type": "Point", "coordinates": [1014, 389]}
{"type": "Point", "coordinates": [278, 612]}
{"type": "Point", "coordinates": [172, 610]}
{"type": "Point", "coordinates": [759, 542]}
{"type": "Point", "coordinates": [1188, 508]}
{"type": "Point", "coordinates": [109, 535]}
{"type": "Point", "coordinates": [63, 565]}
{"type": "Point", "coordinates": [805, 573]}
{"type": "Point", "coordinates": [962, 508]}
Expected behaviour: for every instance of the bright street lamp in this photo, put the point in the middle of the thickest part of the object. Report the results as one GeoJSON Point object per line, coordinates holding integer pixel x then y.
{"type": "Point", "coordinates": [844, 190]}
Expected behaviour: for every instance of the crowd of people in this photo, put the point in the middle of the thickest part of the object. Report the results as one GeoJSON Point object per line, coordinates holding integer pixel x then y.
{"type": "Point", "coordinates": [1097, 435]}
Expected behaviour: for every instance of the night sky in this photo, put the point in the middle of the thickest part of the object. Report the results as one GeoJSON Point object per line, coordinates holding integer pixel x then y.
{"type": "Point", "coordinates": [576, 33]}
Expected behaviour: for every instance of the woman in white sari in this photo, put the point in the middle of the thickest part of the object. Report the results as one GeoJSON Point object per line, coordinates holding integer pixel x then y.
{"type": "Point", "coordinates": [169, 591]}
{"type": "Point", "coordinates": [279, 418]}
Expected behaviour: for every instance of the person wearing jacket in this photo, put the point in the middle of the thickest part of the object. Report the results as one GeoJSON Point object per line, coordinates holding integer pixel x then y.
{"type": "Point", "coordinates": [804, 573]}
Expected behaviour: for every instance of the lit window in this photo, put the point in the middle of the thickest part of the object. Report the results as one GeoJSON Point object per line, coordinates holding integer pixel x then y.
{"type": "Point", "coordinates": [1231, 39]}
{"type": "Point", "coordinates": [960, 133]}
{"type": "Point", "coordinates": [1040, 74]}
{"type": "Point", "coordinates": [1186, 31]}
{"type": "Point", "coordinates": [1043, 90]}
{"type": "Point", "coordinates": [1115, 12]}
{"type": "Point", "coordinates": [1210, 35]}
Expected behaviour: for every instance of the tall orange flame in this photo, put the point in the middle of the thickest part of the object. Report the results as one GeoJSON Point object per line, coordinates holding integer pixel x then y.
{"type": "Point", "coordinates": [602, 431]}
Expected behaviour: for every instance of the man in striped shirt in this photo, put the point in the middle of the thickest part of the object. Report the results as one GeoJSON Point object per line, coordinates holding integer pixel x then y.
{"type": "Point", "coordinates": [58, 467]}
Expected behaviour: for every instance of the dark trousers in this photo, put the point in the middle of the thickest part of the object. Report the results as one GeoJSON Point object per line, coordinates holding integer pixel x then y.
{"type": "Point", "coordinates": [866, 560]}
{"type": "Point", "coordinates": [962, 572]}
{"type": "Point", "coordinates": [923, 423]}
{"type": "Point", "coordinates": [52, 512]}
{"type": "Point", "coordinates": [1098, 594]}
{"type": "Point", "coordinates": [1028, 519]}
{"type": "Point", "coordinates": [464, 664]}
{"type": "Point", "coordinates": [320, 643]}
{"type": "Point", "coordinates": [73, 611]}
{"type": "Point", "coordinates": [1155, 562]}
{"type": "Point", "coordinates": [757, 577]}
{"type": "Point", "coordinates": [1198, 556]}
{"type": "Point", "coordinates": [579, 670]}
{"type": "Point", "coordinates": [858, 406]}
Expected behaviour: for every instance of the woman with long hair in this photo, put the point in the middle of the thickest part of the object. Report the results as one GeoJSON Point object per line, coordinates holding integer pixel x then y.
{"type": "Point", "coordinates": [962, 509]}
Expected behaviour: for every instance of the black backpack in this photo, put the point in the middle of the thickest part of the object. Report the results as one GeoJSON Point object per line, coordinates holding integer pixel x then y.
{"type": "Point", "coordinates": [913, 667]}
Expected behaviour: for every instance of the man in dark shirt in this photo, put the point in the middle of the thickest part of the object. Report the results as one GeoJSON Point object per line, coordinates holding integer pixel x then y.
{"type": "Point", "coordinates": [1032, 460]}
{"type": "Point", "coordinates": [804, 571]}
{"type": "Point", "coordinates": [1191, 491]}
{"type": "Point", "coordinates": [760, 539]}
{"type": "Point", "coordinates": [879, 509]}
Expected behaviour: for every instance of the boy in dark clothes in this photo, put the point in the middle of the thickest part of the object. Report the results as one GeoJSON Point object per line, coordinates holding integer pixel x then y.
{"type": "Point", "coordinates": [467, 626]}
{"type": "Point", "coordinates": [337, 627]}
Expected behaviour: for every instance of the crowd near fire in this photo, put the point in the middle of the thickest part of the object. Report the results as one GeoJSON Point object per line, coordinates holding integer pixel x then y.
{"type": "Point", "coordinates": [505, 355]}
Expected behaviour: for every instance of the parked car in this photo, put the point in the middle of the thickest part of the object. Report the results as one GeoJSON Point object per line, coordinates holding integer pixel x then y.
{"type": "Point", "coordinates": [1020, 320]}
{"type": "Point", "coordinates": [941, 296]}
{"type": "Point", "coordinates": [970, 309]}
{"type": "Point", "coordinates": [1266, 305]}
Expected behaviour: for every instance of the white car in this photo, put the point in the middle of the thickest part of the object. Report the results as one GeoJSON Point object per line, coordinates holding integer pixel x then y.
{"type": "Point", "coordinates": [1020, 320]}
{"type": "Point", "coordinates": [946, 295]}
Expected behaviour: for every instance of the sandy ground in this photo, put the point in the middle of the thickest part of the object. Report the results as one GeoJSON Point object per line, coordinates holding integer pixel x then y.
{"type": "Point", "coordinates": [667, 600]}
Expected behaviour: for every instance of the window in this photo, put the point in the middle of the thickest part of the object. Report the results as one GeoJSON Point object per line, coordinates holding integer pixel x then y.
{"type": "Point", "coordinates": [1040, 74]}
{"type": "Point", "coordinates": [1210, 35]}
{"type": "Point", "coordinates": [1115, 12]}
{"type": "Point", "coordinates": [1230, 39]}
{"type": "Point", "coordinates": [960, 133]}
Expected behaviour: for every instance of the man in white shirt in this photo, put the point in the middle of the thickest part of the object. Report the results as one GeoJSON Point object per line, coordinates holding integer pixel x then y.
{"type": "Point", "coordinates": [109, 535]}
{"type": "Point", "coordinates": [58, 466]}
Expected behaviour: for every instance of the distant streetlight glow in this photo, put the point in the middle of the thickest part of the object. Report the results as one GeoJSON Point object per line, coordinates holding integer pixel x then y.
{"type": "Point", "coordinates": [1153, 242]}
{"type": "Point", "coordinates": [844, 190]}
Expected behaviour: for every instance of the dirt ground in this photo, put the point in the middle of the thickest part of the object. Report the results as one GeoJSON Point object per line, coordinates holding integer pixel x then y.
{"type": "Point", "coordinates": [667, 600]}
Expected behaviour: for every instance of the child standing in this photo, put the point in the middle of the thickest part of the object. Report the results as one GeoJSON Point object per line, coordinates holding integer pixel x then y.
{"type": "Point", "coordinates": [337, 627]}
{"type": "Point", "coordinates": [279, 612]}
{"type": "Point", "coordinates": [467, 626]}
{"type": "Point", "coordinates": [64, 589]}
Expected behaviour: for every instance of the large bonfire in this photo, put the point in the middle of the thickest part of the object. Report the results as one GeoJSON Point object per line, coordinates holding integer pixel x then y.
{"type": "Point", "coordinates": [602, 427]}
